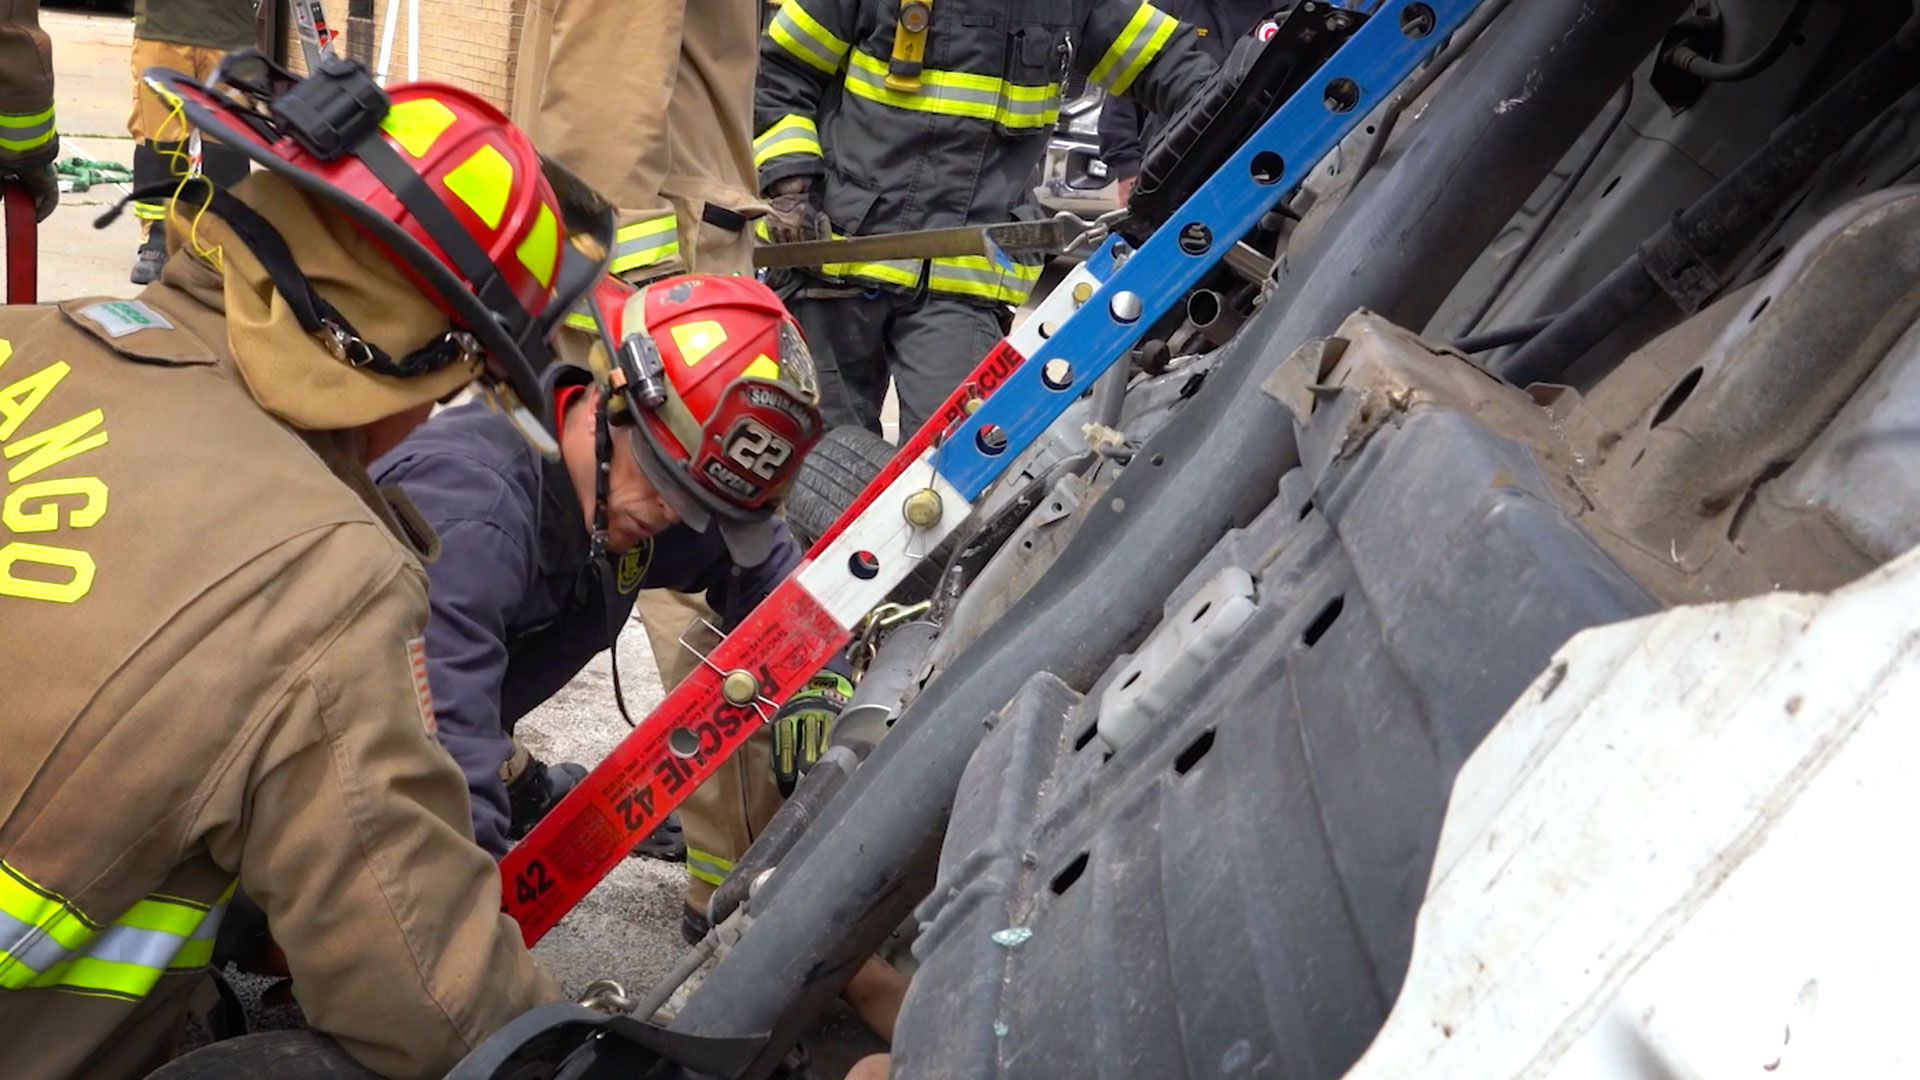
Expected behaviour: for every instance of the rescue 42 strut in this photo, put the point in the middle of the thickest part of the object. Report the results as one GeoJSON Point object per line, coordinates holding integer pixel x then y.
{"type": "Point", "coordinates": [1082, 328]}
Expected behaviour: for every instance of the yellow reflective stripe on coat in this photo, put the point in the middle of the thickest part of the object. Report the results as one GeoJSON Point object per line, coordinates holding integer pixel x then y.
{"type": "Point", "coordinates": [1134, 48]}
{"type": "Point", "coordinates": [47, 943]}
{"type": "Point", "coordinates": [982, 278]}
{"type": "Point", "coordinates": [708, 867]}
{"type": "Point", "coordinates": [972, 276]}
{"type": "Point", "coordinates": [645, 242]}
{"type": "Point", "coordinates": [959, 93]}
{"type": "Point", "coordinates": [150, 211]}
{"type": "Point", "coordinates": [22, 132]}
{"type": "Point", "coordinates": [791, 134]}
{"type": "Point", "coordinates": [798, 32]}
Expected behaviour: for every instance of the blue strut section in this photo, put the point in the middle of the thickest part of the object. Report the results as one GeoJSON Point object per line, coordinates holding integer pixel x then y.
{"type": "Point", "coordinates": [1378, 57]}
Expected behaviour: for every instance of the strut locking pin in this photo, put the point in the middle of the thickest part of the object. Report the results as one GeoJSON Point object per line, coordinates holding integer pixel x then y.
{"type": "Point", "coordinates": [739, 687]}
{"type": "Point", "coordinates": [922, 508]}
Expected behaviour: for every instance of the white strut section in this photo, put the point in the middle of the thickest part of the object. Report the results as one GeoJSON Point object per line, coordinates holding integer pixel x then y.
{"type": "Point", "coordinates": [882, 531]}
{"type": "Point", "coordinates": [1688, 851]}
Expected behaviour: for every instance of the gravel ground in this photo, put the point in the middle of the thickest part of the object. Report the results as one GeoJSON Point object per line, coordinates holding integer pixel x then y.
{"type": "Point", "coordinates": [627, 929]}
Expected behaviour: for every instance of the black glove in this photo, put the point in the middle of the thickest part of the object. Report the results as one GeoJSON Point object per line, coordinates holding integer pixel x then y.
{"type": "Point", "coordinates": [803, 727]}
{"type": "Point", "coordinates": [43, 182]}
{"type": "Point", "coordinates": [796, 215]}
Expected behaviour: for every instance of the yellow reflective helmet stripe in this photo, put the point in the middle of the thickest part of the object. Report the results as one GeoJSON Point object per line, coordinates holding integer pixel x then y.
{"type": "Point", "coordinates": [801, 35]}
{"type": "Point", "coordinates": [416, 125]}
{"type": "Point", "coordinates": [958, 93]}
{"type": "Point", "coordinates": [484, 182]}
{"type": "Point", "coordinates": [708, 867]}
{"type": "Point", "coordinates": [47, 943]}
{"type": "Point", "coordinates": [539, 252]}
{"type": "Point", "coordinates": [791, 134]}
{"type": "Point", "coordinates": [762, 367]}
{"type": "Point", "coordinates": [1134, 48]}
{"type": "Point", "coordinates": [645, 242]}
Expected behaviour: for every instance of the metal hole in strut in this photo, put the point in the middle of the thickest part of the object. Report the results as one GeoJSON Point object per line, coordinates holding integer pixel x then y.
{"type": "Point", "coordinates": [1057, 374]}
{"type": "Point", "coordinates": [1416, 20]}
{"type": "Point", "coordinates": [1268, 167]}
{"type": "Point", "coordinates": [1342, 95]}
{"type": "Point", "coordinates": [864, 565]}
{"type": "Point", "coordinates": [1125, 306]}
{"type": "Point", "coordinates": [683, 742]}
{"type": "Point", "coordinates": [991, 440]}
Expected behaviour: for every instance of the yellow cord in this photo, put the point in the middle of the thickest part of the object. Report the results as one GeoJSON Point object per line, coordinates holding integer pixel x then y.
{"type": "Point", "coordinates": [180, 163]}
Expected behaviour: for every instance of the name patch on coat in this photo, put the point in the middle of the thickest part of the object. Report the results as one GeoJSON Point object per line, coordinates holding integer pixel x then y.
{"type": "Point", "coordinates": [122, 317]}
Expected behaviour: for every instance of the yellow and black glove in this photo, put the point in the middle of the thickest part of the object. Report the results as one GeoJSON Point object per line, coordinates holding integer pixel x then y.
{"type": "Point", "coordinates": [803, 727]}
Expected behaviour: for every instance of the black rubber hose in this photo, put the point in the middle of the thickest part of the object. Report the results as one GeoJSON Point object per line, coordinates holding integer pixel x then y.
{"type": "Point", "coordinates": [1624, 101]}
{"type": "Point", "coordinates": [1398, 246]}
{"type": "Point", "coordinates": [1683, 56]}
{"type": "Point", "coordinates": [1630, 307]}
{"type": "Point", "coordinates": [1502, 336]}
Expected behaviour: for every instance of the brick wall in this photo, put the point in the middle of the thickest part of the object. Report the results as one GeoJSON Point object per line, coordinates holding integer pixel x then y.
{"type": "Point", "coordinates": [474, 44]}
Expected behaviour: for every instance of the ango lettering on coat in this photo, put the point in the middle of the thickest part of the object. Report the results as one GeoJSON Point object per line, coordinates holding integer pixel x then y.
{"type": "Point", "coordinates": [41, 558]}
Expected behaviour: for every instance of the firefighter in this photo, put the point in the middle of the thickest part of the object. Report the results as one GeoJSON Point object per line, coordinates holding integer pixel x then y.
{"type": "Point", "coordinates": [1125, 130]}
{"type": "Point", "coordinates": [651, 102]}
{"type": "Point", "coordinates": [28, 142]}
{"type": "Point", "coordinates": [188, 36]}
{"type": "Point", "coordinates": [874, 116]}
{"type": "Point", "coordinates": [539, 565]}
{"type": "Point", "coordinates": [214, 663]}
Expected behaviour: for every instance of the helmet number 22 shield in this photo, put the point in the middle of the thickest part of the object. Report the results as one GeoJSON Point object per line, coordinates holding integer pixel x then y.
{"type": "Point", "coordinates": [758, 450]}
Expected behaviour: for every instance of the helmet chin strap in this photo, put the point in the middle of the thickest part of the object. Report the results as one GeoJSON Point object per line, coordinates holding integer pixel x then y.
{"type": "Point", "coordinates": [602, 472]}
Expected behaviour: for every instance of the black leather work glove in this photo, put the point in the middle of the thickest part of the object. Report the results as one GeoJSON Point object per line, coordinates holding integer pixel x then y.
{"type": "Point", "coordinates": [803, 727]}
{"type": "Point", "coordinates": [796, 215]}
{"type": "Point", "coordinates": [43, 182]}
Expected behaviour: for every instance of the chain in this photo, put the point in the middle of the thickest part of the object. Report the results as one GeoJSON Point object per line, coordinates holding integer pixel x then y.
{"type": "Point", "coordinates": [866, 636]}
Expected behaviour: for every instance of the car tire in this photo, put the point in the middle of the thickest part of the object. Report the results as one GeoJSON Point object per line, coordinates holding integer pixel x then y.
{"type": "Point", "coordinates": [834, 474]}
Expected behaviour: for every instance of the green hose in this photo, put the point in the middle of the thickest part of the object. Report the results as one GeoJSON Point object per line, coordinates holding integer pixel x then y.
{"type": "Point", "coordinates": [79, 174]}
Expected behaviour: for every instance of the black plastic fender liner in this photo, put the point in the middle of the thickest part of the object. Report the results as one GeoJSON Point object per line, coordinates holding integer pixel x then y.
{"type": "Point", "coordinates": [858, 872]}
{"type": "Point", "coordinates": [1231, 891]}
{"type": "Point", "coordinates": [1515, 104]}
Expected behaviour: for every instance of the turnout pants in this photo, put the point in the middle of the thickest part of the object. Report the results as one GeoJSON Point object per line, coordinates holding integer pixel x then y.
{"type": "Point", "coordinates": [161, 146]}
{"type": "Point", "coordinates": [651, 102]}
{"type": "Point", "coordinates": [925, 342]}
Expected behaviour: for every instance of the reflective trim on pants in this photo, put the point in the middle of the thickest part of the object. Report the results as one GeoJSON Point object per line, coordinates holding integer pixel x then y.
{"type": "Point", "coordinates": [1137, 44]}
{"type": "Point", "coordinates": [708, 867]}
{"type": "Point", "coordinates": [645, 242]}
{"type": "Point", "coordinates": [46, 942]}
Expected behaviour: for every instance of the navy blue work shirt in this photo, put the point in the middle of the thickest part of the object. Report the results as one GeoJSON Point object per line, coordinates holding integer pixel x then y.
{"type": "Point", "coordinates": [519, 605]}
